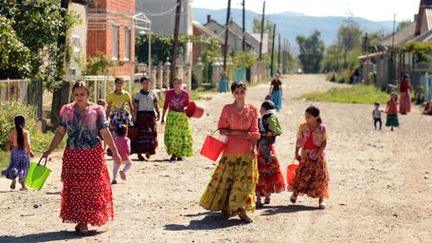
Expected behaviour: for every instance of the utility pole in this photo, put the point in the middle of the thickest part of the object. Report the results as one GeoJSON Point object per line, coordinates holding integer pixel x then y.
{"type": "Point", "coordinates": [262, 32]}
{"type": "Point", "coordinates": [391, 69]}
{"type": "Point", "coordinates": [225, 53]}
{"type": "Point", "coordinates": [244, 25]}
{"type": "Point", "coordinates": [279, 52]}
{"type": "Point", "coordinates": [175, 43]}
{"type": "Point", "coordinates": [273, 49]}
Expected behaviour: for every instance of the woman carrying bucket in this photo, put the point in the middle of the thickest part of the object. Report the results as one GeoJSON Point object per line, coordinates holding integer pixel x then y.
{"type": "Point", "coordinates": [276, 91]}
{"type": "Point", "coordinates": [146, 113]}
{"type": "Point", "coordinates": [86, 197]}
{"type": "Point", "coordinates": [178, 136]}
{"type": "Point", "coordinates": [232, 186]}
{"type": "Point", "coordinates": [311, 175]}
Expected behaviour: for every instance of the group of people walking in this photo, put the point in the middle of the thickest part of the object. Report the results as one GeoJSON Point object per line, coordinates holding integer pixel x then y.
{"type": "Point", "coordinates": [245, 175]}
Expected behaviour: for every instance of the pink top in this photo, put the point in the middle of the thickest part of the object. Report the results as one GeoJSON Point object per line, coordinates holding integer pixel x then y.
{"type": "Point", "coordinates": [246, 120]}
{"type": "Point", "coordinates": [176, 102]}
{"type": "Point", "coordinates": [123, 147]}
{"type": "Point", "coordinates": [310, 139]}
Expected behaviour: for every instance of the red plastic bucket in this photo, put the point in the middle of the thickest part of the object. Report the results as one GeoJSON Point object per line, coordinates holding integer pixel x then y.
{"type": "Point", "coordinates": [212, 148]}
{"type": "Point", "coordinates": [194, 110]}
{"type": "Point", "coordinates": [291, 173]}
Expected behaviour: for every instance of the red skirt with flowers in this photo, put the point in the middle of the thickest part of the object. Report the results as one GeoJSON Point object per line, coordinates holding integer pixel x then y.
{"type": "Point", "coordinates": [270, 178]}
{"type": "Point", "coordinates": [312, 177]}
{"type": "Point", "coordinates": [86, 196]}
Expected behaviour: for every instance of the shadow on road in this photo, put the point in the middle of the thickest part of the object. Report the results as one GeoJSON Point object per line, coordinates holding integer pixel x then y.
{"type": "Point", "coordinates": [48, 236]}
{"type": "Point", "coordinates": [272, 210]}
{"type": "Point", "coordinates": [209, 222]}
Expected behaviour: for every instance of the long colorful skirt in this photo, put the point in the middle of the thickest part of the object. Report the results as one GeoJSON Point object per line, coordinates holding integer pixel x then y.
{"type": "Point", "coordinates": [276, 97]}
{"type": "Point", "coordinates": [86, 196]}
{"type": "Point", "coordinates": [232, 184]}
{"type": "Point", "coordinates": [270, 176]}
{"type": "Point", "coordinates": [405, 103]}
{"type": "Point", "coordinates": [392, 120]}
{"type": "Point", "coordinates": [146, 139]}
{"type": "Point", "coordinates": [178, 136]}
{"type": "Point", "coordinates": [18, 165]}
{"type": "Point", "coordinates": [312, 177]}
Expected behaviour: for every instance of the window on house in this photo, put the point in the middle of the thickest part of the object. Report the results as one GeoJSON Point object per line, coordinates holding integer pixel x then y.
{"type": "Point", "coordinates": [115, 42]}
{"type": "Point", "coordinates": [128, 38]}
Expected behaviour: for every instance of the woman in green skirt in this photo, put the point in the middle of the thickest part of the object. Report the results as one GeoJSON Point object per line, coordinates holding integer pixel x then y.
{"type": "Point", "coordinates": [178, 137]}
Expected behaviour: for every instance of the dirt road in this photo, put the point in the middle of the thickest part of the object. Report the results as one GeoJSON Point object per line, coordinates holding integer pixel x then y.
{"type": "Point", "coordinates": [380, 189]}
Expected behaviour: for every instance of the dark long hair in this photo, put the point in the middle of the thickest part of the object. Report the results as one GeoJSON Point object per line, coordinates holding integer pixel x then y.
{"type": "Point", "coordinates": [19, 126]}
{"type": "Point", "coordinates": [315, 112]}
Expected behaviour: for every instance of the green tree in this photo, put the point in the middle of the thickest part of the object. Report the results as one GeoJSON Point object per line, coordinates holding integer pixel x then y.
{"type": "Point", "coordinates": [403, 24]}
{"type": "Point", "coordinates": [311, 52]}
{"type": "Point", "coordinates": [349, 37]}
{"type": "Point", "coordinates": [42, 26]}
{"type": "Point", "coordinates": [160, 48]}
{"type": "Point", "coordinates": [14, 56]}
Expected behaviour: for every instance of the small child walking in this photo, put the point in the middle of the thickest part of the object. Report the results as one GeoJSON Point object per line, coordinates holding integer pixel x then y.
{"type": "Point", "coordinates": [376, 115]}
{"type": "Point", "coordinates": [312, 177]}
{"type": "Point", "coordinates": [21, 152]}
{"type": "Point", "coordinates": [122, 143]}
{"type": "Point", "coordinates": [270, 178]}
{"type": "Point", "coordinates": [392, 112]}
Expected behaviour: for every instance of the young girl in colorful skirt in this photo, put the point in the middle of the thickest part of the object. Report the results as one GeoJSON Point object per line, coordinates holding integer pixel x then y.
{"type": "Point", "coordinates": [392, 112]}
{"type": "Point", "coordinates": [312, 177]}
{"type": "Point", "coordinates": [19, 164]}
{"type": "Point", "coordinates": [86, 197]}
{"type": "Point", "coordinates": [122, 143]}
{"type": "Point", "coordinates": [178, 136]}
{"type": "Point", "coordinates": [232, 186]}
{"type": "Point", "coordinates": [270, 176]}
{"type": "Point", "coordinates": [146, 114]}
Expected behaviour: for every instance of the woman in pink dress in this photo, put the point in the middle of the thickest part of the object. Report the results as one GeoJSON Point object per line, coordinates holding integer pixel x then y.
{"type": "Point", "coordinates": [232, 186]}
{"type": "Point", "coordinates": [405, 98]}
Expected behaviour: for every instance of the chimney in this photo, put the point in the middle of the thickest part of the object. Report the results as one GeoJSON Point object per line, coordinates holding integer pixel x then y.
{"type": "Point", "coordinates": [208, 18]}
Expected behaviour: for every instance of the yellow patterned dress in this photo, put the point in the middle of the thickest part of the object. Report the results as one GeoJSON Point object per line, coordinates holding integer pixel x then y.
{"type": "Point", "coordinates": [232, 185]}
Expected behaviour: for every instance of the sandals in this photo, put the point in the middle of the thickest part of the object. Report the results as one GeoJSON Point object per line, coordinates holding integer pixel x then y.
{"type": "Point", "coordinates": [13, 184]}
{"type": "Point", "coordinates": [147, 155]}
{"type": "Point", "coordinates": [293, 198]}
{"type": "Point", "coordinates": [321, 205]}
{"type": "Point", "coordinates": [267, 201]}
{"type": "Point", "coordinates": [122, 175]}
{"type": "Point", "coordinates": [173, 157]}
{"type": "Point", "coordinates": [244, 217]}
{"type": "Point", "coordinates": [82, 229]}
{"type": "Point", "coordinates": [140, 157]}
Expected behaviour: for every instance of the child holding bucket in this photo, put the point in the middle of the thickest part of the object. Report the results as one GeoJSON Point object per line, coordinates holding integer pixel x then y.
{"type": "Point", "coordinates": [311, 175]}
{"type": "Point", "coordinates": [270, 176]}
{"type": "Point", "coordinates": [19, 164]}
{"type": "Point", "coordinates": [392, 110]}
{"type": "Point", "coordinates": [123, 145]}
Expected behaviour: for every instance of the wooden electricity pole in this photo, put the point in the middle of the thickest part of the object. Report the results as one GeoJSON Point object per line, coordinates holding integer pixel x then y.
{"type": "Point", "coordinates": [262, 32]}
{"type": "Point", "coordinates": [279, 52]}
{"type": "Point", "coordinates": [225, 50]}
{"type": "Point", "coordinates": [244, 26]}
{"type": "Point", "coordinates": [175, 43]}
{"type": "Point", "coordinates": [273, 49]}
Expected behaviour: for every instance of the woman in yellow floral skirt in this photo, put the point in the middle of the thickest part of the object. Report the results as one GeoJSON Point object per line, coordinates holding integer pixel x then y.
{"type": "Point", "coordinates": [232, 186]}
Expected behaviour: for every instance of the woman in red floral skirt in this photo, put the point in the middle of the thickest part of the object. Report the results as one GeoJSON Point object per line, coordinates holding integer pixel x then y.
{"type": "Point", "coordinates": [86, 197]}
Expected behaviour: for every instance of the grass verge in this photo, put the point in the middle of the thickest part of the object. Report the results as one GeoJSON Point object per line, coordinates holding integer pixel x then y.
{"type": "Point", "coordinates": [357, 94]}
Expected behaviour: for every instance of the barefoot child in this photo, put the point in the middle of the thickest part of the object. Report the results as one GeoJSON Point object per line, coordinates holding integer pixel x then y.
{"type": "Point", "coordinates": [270, 177]}
{"type": "Point", "coordinates": [311, 176]}
{"type": "Point", "coordinates": [392, 110]}
{"type": "Point", "coordinates": [19, 164]}
{"type": "Point", "coordinates": [376, 114]}
{"type": "Point", "coordinates": [123, 147]}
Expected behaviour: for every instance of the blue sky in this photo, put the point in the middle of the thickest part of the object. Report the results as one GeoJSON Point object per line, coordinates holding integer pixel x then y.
{"type": "Point", "coordinates": [377, 10]}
